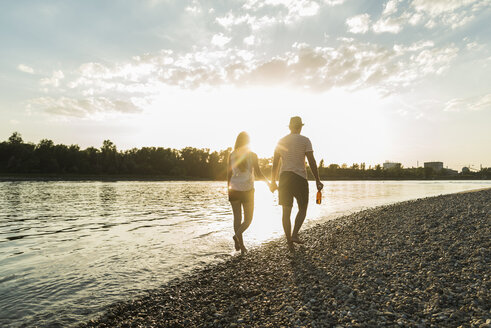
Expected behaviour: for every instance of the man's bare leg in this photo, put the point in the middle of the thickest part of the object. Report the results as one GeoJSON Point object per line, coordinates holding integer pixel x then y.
{"type": "Point", "coordinates": [299, 219]}
{"type": "Point", "coordinates": [287, 226]}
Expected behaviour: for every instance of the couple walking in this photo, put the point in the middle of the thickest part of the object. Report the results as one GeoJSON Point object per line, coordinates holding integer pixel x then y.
{"type": "Point", "coordinates": [243, 166]}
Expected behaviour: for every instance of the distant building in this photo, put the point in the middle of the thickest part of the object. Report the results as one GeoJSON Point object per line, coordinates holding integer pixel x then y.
{"type": "Point", "coordinates": [391, 165]}
{"type": "Point", "coordinates": [451, 172]}
{"type": "Point", "coordinates": [436, 166]}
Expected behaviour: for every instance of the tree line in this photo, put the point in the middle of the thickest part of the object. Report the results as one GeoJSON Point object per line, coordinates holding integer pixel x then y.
{"type": "Point", "coordinates": [48, 158]}
{"type": "Point", "coordinates": [361, 172]}
{"type": "Point", "coordinates": [17, 156]}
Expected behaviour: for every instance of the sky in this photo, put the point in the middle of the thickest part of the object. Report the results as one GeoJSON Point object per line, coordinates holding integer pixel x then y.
{"type": "Point", "coordinates": [404, 81]}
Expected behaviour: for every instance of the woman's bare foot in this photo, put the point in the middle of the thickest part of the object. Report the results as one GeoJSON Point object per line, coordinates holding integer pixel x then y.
{"type": "Point", "coordinates": [243, 250]}
{"type": "Point", "coordinates": [291, 248]}
{"type": "Point", "coordinates": [236, 241]}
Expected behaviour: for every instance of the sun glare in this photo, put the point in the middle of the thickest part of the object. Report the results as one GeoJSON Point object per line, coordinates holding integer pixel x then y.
{"type": "Point", "coordinates": [343, 126]}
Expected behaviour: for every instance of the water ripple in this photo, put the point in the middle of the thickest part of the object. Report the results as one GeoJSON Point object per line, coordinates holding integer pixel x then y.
{"type": "Point", "coordinates": [68, 249]}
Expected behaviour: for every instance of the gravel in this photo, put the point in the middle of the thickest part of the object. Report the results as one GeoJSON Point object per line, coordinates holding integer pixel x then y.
{"type": "Point", "coordinates": [421, 263]}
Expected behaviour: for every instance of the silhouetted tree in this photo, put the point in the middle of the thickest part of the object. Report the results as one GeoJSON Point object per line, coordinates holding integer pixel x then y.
{"type": "Point", "coordinates": [15, 138]}
{"type": "Point", "coordinates": [46, 157]}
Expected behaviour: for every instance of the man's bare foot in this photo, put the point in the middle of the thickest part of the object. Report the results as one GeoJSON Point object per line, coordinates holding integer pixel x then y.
{"type": "Point", "coordinates": [243, 250]}
{"type": "Point", "coordinates": [297, 240]}
{"type": "Point", "coordinates": [236, 241]}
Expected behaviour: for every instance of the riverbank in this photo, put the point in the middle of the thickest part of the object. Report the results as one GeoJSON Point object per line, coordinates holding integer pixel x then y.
{"type": "Point", "coordinates": [115, 178]}
{"type": "Point", "coordinates": [419, 263]}
{"type": "Point", "coordinates": [95, 177]}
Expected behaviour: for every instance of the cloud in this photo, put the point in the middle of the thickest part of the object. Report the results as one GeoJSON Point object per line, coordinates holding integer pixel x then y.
{"type": "Point", "coordinates": [386, 22]}
{"type": "Point", "coordinates": [438, 7]}
{"type": "Point", "coordinates": [413, 47]}
{"type": "Point", "coordinates": [194, 8]}
{"type": "Point", "coordinates": [479, 103]}
{"type": "Point", "coordinates": [334, 2]}
{"type": "Point", "coordinates": [262, 14]}
{"type": "Point", "coordinates": [25, 69]}
{"type": "Point", "coordinates": [389, 22]}
{"type": "Point", "coordinates": [54, 80]}
{"type": "Point", "coordinates": [389, 25]}
{"type": "Point", "coordinates": [359, 23]}
{"type": "Point", "coordinates": [390, 7]}
{"type": "Point", "coordinates": [250, 40]}
{"type": "Point", "coordinates": [288, 11]}
{"type": "Point", "coordinates": [220, 40]}
{"type": "Point", "coordinates": [430, 14]}
{"type": "Point", "coordinates": [72, 107]}
{"type": "Point", "coordinates": [255, 23]}
{"type": "Point", "coordinates": [482, 103]}
{"type": "Point", "coordinates": [474, 46]}
{"type": "Point", "coordinates": [352, 64]}
{"type": "Point", "coordinates": [434, 61]}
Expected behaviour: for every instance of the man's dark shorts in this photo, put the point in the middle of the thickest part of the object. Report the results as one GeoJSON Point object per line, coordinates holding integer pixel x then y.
{"type": "Point", "coordinates": [293, 186]}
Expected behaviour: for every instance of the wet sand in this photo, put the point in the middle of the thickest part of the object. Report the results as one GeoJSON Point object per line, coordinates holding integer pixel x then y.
{"type": "Point", "coordinates": [421, 263]}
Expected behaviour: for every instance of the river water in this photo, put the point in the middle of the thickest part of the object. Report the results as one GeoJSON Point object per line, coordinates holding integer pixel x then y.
{"type": "Point", "coordinates": [68, 249]}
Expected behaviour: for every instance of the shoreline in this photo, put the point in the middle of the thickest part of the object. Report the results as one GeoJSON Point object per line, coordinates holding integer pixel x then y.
{"type": "Point", "coordinates": [101, 178]}
{"type": "Point", "coordinates": [417, 263]}
{"type": "Point", "coordinates": [157, 178]}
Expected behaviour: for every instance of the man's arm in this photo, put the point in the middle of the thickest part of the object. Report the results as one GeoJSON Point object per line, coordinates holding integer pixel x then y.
{"type": "Point", "coordinates": [274, 170]}
{"type": "Point", "coordinates": [313, 168]}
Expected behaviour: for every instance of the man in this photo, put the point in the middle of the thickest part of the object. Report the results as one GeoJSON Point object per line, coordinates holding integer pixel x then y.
{"type": "Point", "coordinates": [292, 150]}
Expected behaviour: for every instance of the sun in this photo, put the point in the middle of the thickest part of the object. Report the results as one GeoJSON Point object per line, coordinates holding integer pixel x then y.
{"type": "Point", "coordinates": [343, 126]}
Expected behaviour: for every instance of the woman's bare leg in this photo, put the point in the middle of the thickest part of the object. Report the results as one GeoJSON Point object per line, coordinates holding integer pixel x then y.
{"type": "Point", "coordinates": [237, 210]}
{"type": "Point", "coordinates": [248, 214]}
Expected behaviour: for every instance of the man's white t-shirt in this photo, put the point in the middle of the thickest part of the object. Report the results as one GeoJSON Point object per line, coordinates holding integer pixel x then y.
{"type": "Point", "coordinates": [292, 149]}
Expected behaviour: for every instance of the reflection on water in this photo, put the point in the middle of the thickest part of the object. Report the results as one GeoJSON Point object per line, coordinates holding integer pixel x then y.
{"type": "Point", "coordinates": [67, 249]}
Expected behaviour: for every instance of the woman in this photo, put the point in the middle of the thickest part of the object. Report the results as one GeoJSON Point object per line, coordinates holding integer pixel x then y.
{"type": "Point", "coordinates": [242, 165]}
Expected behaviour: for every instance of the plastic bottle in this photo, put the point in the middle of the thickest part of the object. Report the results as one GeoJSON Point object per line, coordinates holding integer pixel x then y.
{"type": "Point", "coordinates": [318, 199]}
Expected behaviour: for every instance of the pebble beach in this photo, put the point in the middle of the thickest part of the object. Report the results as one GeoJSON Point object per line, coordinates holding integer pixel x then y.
{"type": "Point", "coordinates": [420, 263]}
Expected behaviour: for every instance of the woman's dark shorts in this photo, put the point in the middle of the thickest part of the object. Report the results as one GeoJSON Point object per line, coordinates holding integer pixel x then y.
{"type": "Point", "coordinates": [243, 196]}
{"type": "Point", "coordinates": [293, 186]}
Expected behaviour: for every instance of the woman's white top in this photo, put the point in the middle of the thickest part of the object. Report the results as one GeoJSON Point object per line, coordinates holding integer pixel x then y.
{"type": "Point", "coordinates": [241, 180]}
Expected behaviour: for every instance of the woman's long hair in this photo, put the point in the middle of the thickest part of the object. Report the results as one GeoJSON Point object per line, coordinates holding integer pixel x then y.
{"type": "Point", "coordinates": [242, 141]}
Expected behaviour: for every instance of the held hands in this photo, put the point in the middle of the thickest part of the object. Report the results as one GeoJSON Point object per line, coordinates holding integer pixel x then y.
{"type": "Point", "coordinates": [320, 185]}
{"type": "Point", "coordinates": [272, 186]}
